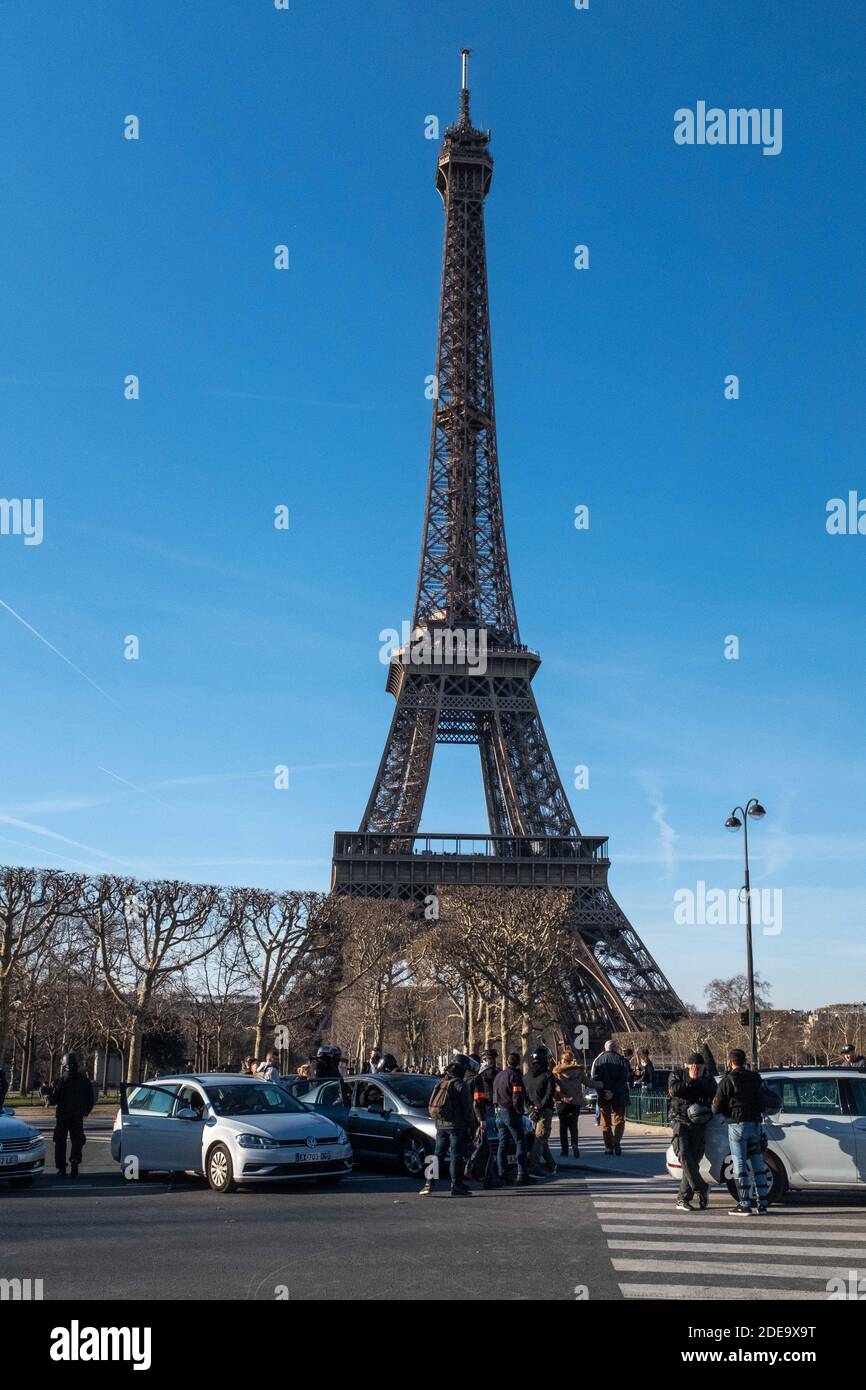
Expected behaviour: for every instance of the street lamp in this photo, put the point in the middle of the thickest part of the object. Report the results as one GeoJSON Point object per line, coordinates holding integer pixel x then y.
{"type": "Point", "coordinates": [752, 808]}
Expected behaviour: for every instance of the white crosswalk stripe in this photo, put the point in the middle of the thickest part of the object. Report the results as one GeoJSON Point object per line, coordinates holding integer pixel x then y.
{"type": "Point", "coordinates": [790, 1254]}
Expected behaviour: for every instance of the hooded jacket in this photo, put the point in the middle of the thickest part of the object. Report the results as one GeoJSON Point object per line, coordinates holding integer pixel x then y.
{"type": "Point", "coordinates": [540, 1086]}
{"type": "Point", "coordinates": [569, 1085]}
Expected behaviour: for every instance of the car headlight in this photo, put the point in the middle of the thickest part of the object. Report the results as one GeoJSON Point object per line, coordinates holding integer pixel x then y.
{"type": "Point", "coordinates": [342, 1136]}
{"type": "Point", "coordinates": [253, 1141]}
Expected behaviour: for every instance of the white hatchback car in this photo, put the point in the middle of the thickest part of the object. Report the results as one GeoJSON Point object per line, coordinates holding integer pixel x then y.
{"type": "Point", "coordinates": [231, 1129]}
{"type": "Point", "coordinates": [817, 1139]}
{"type": "Point", "coordinates": [22, 1150]}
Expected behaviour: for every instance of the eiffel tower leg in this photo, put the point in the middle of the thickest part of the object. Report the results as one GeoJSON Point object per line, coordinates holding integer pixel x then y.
{"type": "Point", "coordinates": [397, 798]}
{"type": "Point", "coordinates": [522, 771]}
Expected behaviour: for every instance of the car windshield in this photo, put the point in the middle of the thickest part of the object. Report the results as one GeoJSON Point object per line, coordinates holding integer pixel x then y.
{"type": "Point", "coordinates": [250, 1099]}
{"type": "Point", "coordinates": [414, 1091]}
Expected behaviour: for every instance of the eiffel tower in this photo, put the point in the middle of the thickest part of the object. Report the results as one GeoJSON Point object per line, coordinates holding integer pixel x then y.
{"type": "Point", "coordinates": [464, 606]}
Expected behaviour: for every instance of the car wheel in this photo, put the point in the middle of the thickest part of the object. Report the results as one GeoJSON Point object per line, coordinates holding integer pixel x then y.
{"type": "Point", "coordinates": [220, 1170]}
{"type": "Point", "coordinates": [20, 1182]}
{"type": "Point", "coordinates": [413, 1155]}
{"type": "Point", "coordinates": [778, 1179]}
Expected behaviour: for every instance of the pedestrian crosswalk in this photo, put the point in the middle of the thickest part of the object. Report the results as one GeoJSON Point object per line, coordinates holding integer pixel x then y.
{"type": "Point", "coordinates": [813, 1248]}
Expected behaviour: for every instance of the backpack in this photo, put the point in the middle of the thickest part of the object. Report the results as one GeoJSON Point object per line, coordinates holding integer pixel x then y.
{"type": "Point", "coordinates": [443, 1102]}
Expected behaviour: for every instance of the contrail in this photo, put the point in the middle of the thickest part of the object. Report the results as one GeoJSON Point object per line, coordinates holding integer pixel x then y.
{"type": "Point", "coordinates": [57, 652]}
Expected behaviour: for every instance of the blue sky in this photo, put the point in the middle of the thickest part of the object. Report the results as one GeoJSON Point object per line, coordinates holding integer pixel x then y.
{"type": "Point", "coordinates": [306, 388]}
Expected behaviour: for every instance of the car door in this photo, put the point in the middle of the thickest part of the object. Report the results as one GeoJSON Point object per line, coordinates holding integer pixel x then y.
{"type": "Point", "coordinates": [818, 1137]}
{"type": "Point", "coordinates": [856, 1089]}
{"type": "Point", "coordinates": [329, 1099]}
{"type": "Point", "coordinates": [371, 1127]}
{"type": "Point", "coordinates": [146, 1123]}
{"type": "Point", "coordinates": [184, 1138]}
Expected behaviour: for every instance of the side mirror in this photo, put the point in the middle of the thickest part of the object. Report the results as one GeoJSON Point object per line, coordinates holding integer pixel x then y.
{"type": "Point", "coordinates": [187, 1113]}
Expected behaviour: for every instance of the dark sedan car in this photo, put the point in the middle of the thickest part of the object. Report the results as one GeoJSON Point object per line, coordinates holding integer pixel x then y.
{"type": "Point", "coordinates": [385, 1116]}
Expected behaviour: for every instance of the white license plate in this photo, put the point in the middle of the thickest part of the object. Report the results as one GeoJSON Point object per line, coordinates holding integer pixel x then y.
{"type": "Point", "coordinates": [311, 1157]}
{"type": "Point", "coordinates": [10, 1160]}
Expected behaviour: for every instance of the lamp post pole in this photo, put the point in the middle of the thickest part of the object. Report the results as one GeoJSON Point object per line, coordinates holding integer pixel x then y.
{"type": "Point", "coordinates": [754, 808]}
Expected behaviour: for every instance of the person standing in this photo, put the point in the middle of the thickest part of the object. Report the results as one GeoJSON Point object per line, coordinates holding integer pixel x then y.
{"type": "Point", "coordinates": [852, 1058]}
{"type": "Point", "coordinates": [73, 1097]}
{"type": "Point", "coordinates": [483, 1163]}
{"type": "Point", "coordinates": [738, 1098]}
{"type": "Point", "coordinates": [611, 1073]}
{"type": "Point", "coordinates": [692, 1093]}
{"type": "Point", "coordinates": [451, 1108]}
{"type": "Point", "coordinates": [375, 1060]}
{"type": "Point", "coordinates": [509, 1097]}
{"type": "Point", "coordinates": [569, 1078]}
{"type": "Point", "coordinates": [268, 1069]}
{"type": "Point", "coordinates": [646, 1072]}
{"type": "Point", "coordinates": [540, 1097]}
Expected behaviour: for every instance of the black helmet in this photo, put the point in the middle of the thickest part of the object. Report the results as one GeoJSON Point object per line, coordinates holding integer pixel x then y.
{"type": "Point", "coordinates": [69, 1061]}
{"type": "Point", "coordinates": [389, 1063]}
{"type": "Point", "coordinates": [329, 1050]}
{"type": "Point", "coordinates": [699, 1114]}
{"type": "Point", "coordinates": [541, 1054]}
{"type": "Point", "coordinates": [461, 1064]}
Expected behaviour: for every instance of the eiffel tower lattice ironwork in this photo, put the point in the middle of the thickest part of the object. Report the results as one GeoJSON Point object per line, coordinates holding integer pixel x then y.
{"type": "Point", "coordinates": [464, 587]}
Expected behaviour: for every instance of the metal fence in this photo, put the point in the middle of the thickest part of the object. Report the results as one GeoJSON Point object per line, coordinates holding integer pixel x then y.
{"type": "Point", "coordinates": [647, 1107]}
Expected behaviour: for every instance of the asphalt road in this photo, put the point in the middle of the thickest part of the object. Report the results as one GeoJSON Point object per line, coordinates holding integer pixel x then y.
{"type": "Point", "coordinates": [613, 1233]}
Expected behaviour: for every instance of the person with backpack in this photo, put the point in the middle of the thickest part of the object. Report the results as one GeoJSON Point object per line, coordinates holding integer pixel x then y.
{"type": "Point", "coordinates": [692, 1093]}
{"type": "Point", "coordinates": [482, 1165]}
{"type": "Point", "coordinates": [509, 1099]}
{"type": "Point", "coordinates": [73, 1097]}
{"type": "Point", "coordinates": [612, 1074]}
{"type": "Point", "coordinates": [451, 1107]}
{"type": "Point", "coordinates": [740, 1097]}
{"type": "Point", "coordinates": [540, 1086]}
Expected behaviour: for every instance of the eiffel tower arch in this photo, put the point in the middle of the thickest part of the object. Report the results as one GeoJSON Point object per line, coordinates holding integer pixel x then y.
{"type": "Point", "coordinates": [464, 603]}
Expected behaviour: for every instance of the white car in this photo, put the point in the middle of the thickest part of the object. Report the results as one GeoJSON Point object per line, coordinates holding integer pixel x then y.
{"type": "Point", "coordinates": [817, 1139]}
{"type": "Point", "coordinates": [22, 1150]}
{"type": "Point", "coordinates": [231, 1129]}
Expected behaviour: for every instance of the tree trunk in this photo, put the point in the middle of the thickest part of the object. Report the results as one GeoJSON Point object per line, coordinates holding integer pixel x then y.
{"type": "Point", "coordinates": [524, 1036]}
{"type": "Point", "coordinates": [133, 1061]}
{"type": "Point", "coordinates": [503, 1029]}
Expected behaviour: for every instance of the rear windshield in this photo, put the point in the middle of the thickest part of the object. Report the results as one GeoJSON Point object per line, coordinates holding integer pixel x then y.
{"type": "Point", "coordinates": [252, 1099]}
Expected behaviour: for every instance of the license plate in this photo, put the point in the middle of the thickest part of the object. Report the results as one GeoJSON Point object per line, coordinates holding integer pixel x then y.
{"type": "Point", "coordinates": [311, 1157]}
{"type": "Point", "coordinates": [9, 1160]}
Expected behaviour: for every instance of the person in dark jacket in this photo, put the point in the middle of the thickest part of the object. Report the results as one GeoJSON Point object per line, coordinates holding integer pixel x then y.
{"type": "Point", "coordinates": [646, 1072]}
{"type": "Point", "coordinates": [73, 1097]}
{"type": "Point", "coordinates": [611, 1074]}
{"type": "Point", "coordinates": [687, 1088]}
{"type": "Point", "coordinates": [454, 1128]}
{"type": "Point", "coordinates": [509, 1097]}
{"type": "Point", "coordinates": [738, 1098]}
{"type": "Point", "coordinates": [540, 1086]}
{"type": "Point", "coordinates": [483, 1162]}
{"type": "Point", "coordinates": [852, 1058]}
{"type": "Point", "coordinates": [570, 1080]}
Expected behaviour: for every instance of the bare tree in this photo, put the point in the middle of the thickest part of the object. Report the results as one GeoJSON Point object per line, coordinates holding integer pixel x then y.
{"type": "Point", "coordinates": [147, 935]}
{"type": "Point", "coordinates": [32, 902]}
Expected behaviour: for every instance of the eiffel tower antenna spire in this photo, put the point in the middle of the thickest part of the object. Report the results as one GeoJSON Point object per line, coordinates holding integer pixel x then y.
{"type": "Point", "coordinates": [465, 676]}
{"type": "Point", "coordinates": [464, 86]}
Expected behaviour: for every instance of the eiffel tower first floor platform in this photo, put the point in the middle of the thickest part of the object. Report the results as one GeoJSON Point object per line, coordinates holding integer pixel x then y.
{"type": "Point", "coordinates": [612, 982]}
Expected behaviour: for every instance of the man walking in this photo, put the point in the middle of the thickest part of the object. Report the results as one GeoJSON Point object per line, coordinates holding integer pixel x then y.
{"type": "Point", "coordinates": [509, 1098]}
{"type": "Point", "coordinates": [73, 1097]}
{"type": "Point", "coordinates": [540, 1097]}
{"type": "Point", "coordinates": [692, 1093]}
{"type": "Point", "coordinates": [451, 1108]}
{"type": "Point", "coordinates": [611, 1073]}
{"type": "Point", "coordinates": [738, 1098]}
